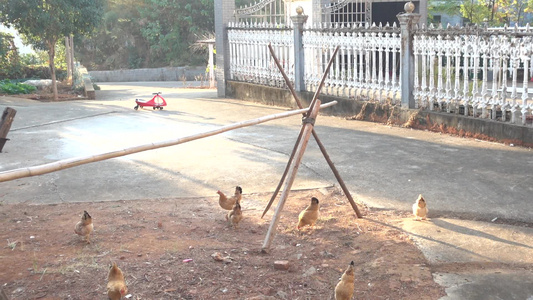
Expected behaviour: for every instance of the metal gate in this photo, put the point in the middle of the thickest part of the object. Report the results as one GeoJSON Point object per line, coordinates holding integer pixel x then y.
{"type": "Point", "coordinates": [264, 11]}
{"type": "Point", "coordinates": [345, 12]}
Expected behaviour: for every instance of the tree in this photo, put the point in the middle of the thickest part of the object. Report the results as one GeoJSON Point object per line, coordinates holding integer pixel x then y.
{"type": "Point", "coordinates": [9, 58]}
{"type": "Point", "coordinates": [476, 11]}
{"type": "Point", "coordinates": [171, 26]}
{"type": "Point", "coordinates": [118, 41]}
{"type": "Point", "coordinates": [147, 33]}
{"type": "Point", "coordinates": [494, 12]}
{"type": "Point", "coordinates": [45, 22]}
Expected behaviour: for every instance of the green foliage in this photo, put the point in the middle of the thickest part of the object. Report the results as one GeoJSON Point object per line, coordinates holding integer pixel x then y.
{"type": "Point", "coordinates": [476, 12]}
{"type": "Point", "coordinates": [449, 7]}
{"type": "Point", "coordinates": [30, 59]}
{"type": "Point", "coordinates": [10, 65]}
{"type": "Point", "coordinates": [529, 7]}
{"type": "Point", "coordinates": [117, 42]}
{"type": "Point", "coordinates": [11, 88]}
{"type": "Point", "coordinates": [147, 33]}
{"type": "Point", "coordinates": [494, 12]}
{"type": "Point", "coordinates": [44, 23]}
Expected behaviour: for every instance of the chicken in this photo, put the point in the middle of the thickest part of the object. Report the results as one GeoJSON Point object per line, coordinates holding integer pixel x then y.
{"type": "Point", "coordinates": [235, 215]}
{"type": "Point", "coordinates": [309, 215]}
{"type": "Point", "coordinates": [345, 287]}
{"type": "Point", "coordinates": [85, 226]}
{"type": "Point", "coordinates": [420, 209]}
{"type": "Point", "coordinates": [116, 285]}
{"type": "Point", "coordinates": [226, 203]}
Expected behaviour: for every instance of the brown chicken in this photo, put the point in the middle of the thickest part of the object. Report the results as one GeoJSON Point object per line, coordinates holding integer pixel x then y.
{"type": "Point", "coordinates": [116, 285]}
{"type": "Point", "coordinates": [345, 287]}
{"type": "Point", "coordinates": [420, 209]}
{"type": "Point", "coordinates": [226, 203]}
{"type": "Point", "coordinates": [309, 215]}
{"type": "Point", "coordinates": [235, 215]}
{"type": "Point", "coordinates": [85, 226]}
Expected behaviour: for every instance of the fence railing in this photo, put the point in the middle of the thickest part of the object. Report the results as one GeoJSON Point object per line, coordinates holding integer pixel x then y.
{"type": "Point", "coordinates": [473, 71]}
{"type": "Point", "coordinates": [366, 66]}
{"type": "Point", "coordinates": [250, 59]}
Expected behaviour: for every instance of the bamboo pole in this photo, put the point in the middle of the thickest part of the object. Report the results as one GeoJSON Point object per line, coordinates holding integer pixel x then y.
{"type": "Point", "coordinates": [276, 191]}
{"type": "Point", "coordinates": [315, 135]}
{"type": "Point", "coordinates": [76, 161]}
{"type": "Point", "coordinates": [308, 128]}
{"type": "Point", "coordinates": [326, 72]}
{"type": "Point", "coordinates": [289, 85]}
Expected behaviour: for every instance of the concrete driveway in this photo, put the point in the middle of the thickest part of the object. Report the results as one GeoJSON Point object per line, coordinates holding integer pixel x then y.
{"type": "Point", "coordinates": [382, 166]}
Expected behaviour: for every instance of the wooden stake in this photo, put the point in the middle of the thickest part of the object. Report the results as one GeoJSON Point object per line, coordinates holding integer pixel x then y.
{"type": "Point", "coordinates": [320, 145]}
{"type": "Point", "coordinates": [5, 124]}
{"type": "Point", "coordinates": [3, 295]}
{"type": "Point", "coordinates": [76, 161]}
{"type": "Point", "coordinates": [308, 128]}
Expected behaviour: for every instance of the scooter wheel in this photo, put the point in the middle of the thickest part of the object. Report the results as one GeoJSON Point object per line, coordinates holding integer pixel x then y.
{"type": "Point", "coordinates": [136, 107]}
{"type": "Point", "coordinates": [153, 108]}
{"type": "Point", "coordinates": [160, 108]}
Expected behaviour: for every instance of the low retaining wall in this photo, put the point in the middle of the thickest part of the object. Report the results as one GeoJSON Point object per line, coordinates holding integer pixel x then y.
{"type": "Point", "coordinates": [88, 88]}
{"type": "Point", "coordinates": [156, 74]}
{"type": "Point", "coordinates": [485, 129]}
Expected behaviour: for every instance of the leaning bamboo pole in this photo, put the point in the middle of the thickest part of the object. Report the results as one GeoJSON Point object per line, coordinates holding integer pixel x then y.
{"type": "Point", "coordinates": [293, 170]}
{"type": "Point", "coordinates": [76, 161]}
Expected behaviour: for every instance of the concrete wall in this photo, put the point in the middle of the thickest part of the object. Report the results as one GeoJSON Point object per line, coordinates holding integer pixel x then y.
{"type": "Point", "coordinates": [156, 74]}
{"type": "Point", "coordinates": [460, 125]}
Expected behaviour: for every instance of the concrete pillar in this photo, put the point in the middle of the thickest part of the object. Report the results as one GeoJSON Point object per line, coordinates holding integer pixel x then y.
{"type": "Point", "coordinates": [211, 66]}
{"type": "Point", "coordinates": [423, 10]}
{"type": "Point", "coordinates": [407, 23]}
{"type": "Point", "coordinates": [299, 59]}
{"type": "Point", "coordinates": [223, 15]}
{"type": "Point", "coordinates": [68, 59]}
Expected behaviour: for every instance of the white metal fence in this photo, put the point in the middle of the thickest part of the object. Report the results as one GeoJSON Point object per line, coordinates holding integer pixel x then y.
{"type": "Point", "coordinates": [366, 66]}
{"type": "Point", "coordinates": [476, 71]}
{"type": "Point", "coordinates": [250, 59]}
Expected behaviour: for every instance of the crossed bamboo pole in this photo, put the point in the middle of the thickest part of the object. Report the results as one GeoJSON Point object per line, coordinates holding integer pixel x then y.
{"type": "Point", "coordinates": [76, 161]}
{"type": "Point", "coordinates": [292, 169]}
{"type": "Point", "coordinates": [320, 145]}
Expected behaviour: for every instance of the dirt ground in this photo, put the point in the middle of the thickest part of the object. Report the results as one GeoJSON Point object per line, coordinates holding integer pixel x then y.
{"type": "Point", "coordinates": [165, 248]}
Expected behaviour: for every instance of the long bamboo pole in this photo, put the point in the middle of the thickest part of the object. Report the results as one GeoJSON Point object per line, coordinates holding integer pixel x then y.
{"type": "Point", "coordinates": [289, 85]}
{"type": "Point", "coordinates": [315, 135]}
{"type": "Point", "coordinates": [308, 128]}
{"type": "Point", "coordinates": [76, 161]}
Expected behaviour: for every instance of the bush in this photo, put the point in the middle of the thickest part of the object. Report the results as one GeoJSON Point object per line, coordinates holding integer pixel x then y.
{"type": "Point", "coordinates": [11, 88]}
{"type": "Point", "coordinates": [42, 72]}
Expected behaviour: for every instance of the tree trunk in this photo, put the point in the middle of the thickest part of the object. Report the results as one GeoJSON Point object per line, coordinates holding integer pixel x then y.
{"type": "Point", "coordinates": [51, 57]}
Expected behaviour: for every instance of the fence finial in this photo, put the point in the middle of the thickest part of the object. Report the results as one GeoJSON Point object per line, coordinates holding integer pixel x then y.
{"type": "Point", "coordinates": [409, 7]}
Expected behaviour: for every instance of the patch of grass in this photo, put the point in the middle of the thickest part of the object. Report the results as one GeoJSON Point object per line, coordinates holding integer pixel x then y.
{"type": "Point", "coordinates": [34, 263]}
{"type": "Point", "coordinates": [12, 245]}
{"type": "Point", "coordinates": [78, 264]}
